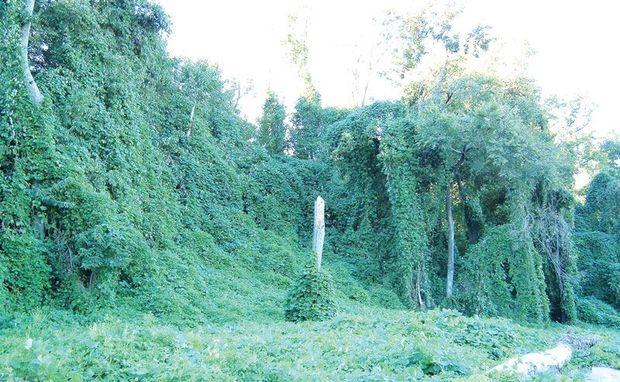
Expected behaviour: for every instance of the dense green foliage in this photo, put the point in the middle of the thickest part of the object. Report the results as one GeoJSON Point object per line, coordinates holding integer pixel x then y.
{"type": "Point", "coordinates": [136, 190]}
{"type": "Point", "coordinates": [272, 129]}
{"type": "Point", "coordinates": [499, 253]}
{"type": "Point", "coordinates": [598, 231]}
{"type": "Point", "coordinates": [594, 311]}
{"type": "Point", "coordinates": [311, 297]}
{"type": "Point", "coordinates": [489, 143]}
{"type": "Point", "coordinates": [136, 182]}
{"type": "Point", "coordinates": [136, 176]}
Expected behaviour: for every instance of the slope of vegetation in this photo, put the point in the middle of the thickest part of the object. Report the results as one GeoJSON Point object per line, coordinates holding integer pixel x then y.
{"type": "Point", "coordinates": [157, 235]}
{"type": "Point", "coordinates": [116, 193]}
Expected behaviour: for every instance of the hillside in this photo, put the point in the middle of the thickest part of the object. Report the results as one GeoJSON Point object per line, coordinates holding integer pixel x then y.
{"type": "Point", "coordinates": [148, 232]}
{"type": "Point", "coordinates": [141, 205]}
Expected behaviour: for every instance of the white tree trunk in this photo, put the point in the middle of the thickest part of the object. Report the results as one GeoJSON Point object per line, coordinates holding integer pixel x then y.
{"type": "Point", "coordinates": [319, 230]}
{"type": "Point", "coordinates": [418, 288]}
{"type": "Point", "coordinates": [451, 246]}
{"type": "Point", "coordinates": [33, 89]}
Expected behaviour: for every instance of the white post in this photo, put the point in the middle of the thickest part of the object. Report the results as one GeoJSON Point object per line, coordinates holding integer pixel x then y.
{"type": "Point", "coordinates": [319, 230]}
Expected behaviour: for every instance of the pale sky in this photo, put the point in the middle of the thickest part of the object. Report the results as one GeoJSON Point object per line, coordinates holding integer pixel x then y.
{"type": "Point", "coordinates": [576, 45]}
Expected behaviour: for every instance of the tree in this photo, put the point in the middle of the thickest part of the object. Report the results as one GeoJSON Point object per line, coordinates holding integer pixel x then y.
{"type": "Point", "coordinates": [598, 230]}
{"type": "Point", "coordinates": [311, 124]}
{"type": "Point", "coordinates": [271, 126]}
{"type": "Point", "coordinates": [33, 90]}
{"type": "Point", "coordinates": [299, 52]}
{"type": "Point", "coordinates": [487, 157]}
{"type": "Point", "coordinates": [308, 127]}
{"type": "Point", "coordinates": [602, 206]}
{"type": "Point", "coordinates": [415, 36]}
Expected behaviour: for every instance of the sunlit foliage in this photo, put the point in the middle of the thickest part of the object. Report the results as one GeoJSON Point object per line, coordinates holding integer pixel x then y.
{"type": "Point", "coordinates": [137, 184]}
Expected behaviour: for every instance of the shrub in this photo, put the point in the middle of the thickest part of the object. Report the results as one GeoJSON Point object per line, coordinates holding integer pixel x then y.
{"type": "Point", "coordinates": [599, 265]}
{"type": "Point", "coordinates": [24, 273]}
{"type": "Point", "coordinates": [594, 311]}
{"type": "Point", "coordinates": [311, 297]}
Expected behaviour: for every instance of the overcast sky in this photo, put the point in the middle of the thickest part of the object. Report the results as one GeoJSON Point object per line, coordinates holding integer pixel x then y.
{"type": "Point", "coordinates": [576, 45]}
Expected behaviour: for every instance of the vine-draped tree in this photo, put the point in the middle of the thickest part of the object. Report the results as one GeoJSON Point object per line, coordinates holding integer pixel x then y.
{"type": "Point", "coordinates": [487, 140]}
{"type": "Point", "coordinates": [598, 230]}
{"type": "Point", "coordinates": [271, 126]}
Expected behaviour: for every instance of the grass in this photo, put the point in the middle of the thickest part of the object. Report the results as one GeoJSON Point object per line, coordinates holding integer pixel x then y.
{"type": "Point", "coordinates": [371, 345]}
{"type": "Point", "coordinates": [234, 330]}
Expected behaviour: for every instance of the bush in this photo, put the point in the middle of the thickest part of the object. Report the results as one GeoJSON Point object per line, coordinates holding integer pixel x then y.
{"type": "Point", "coordinates": [594, 311]}
{"type": "Point", "coordinates": [599, 265]}
{"type": "Point", "coordinates": [24, 273]}
{"type": "Point", "coordinates": [311, 297]}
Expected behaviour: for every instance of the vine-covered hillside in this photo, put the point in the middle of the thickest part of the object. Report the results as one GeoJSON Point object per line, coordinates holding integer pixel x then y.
{"type": "Point", "coordinates": [135, 182]}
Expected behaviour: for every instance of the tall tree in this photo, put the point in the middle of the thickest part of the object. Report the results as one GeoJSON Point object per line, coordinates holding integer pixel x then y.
{"type": "Point", "coordinates": [299, 52]}
{"type": "Point", "coordinates": [272, 128]}
{"type": "Point", "coordinates": [598, 229]}
{"type": "Point", "coordinates": [416, 36]}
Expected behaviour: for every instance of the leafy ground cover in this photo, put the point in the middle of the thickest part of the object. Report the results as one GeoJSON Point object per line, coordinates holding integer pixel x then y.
{"type": "Point", "coordinates": [372, 345]}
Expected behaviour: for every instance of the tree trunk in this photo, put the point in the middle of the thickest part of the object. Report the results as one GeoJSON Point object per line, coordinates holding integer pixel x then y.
{"type": "Point", "coordinates": [473, 228]}
{"type": "Point", "coordinates": [451, 246]}
{"type": "Point", "coordinates": [33, 90]}
{"type": "Point", "coordinates": [191, 121]}
{"type": "Point", "coordinates": [319, 230]}
{"type": "Point", "coordinates": [418, 288]}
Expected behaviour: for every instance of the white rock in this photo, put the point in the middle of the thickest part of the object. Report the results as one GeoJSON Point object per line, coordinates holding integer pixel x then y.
{"type": "Point", "coordinates": [532, 363]}
{"type": "Point", "coordinates": [603, 374]}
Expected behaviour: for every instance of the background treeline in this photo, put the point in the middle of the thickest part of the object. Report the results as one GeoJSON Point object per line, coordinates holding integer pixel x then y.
{"type": "Point", "coordinates": [136, 185]}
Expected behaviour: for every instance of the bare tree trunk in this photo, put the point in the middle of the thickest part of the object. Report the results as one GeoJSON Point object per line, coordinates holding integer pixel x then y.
{"type": "Point", "coordinates": [33, 89]}
{"type": "Point", "coordinates": [473, 228]}
{"type": "Point", "coordinates": [418, 288]}
{"type": "Point", "coordinates": [450, 275]}
{"type": "Point", "coordinates": [319, 230]}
